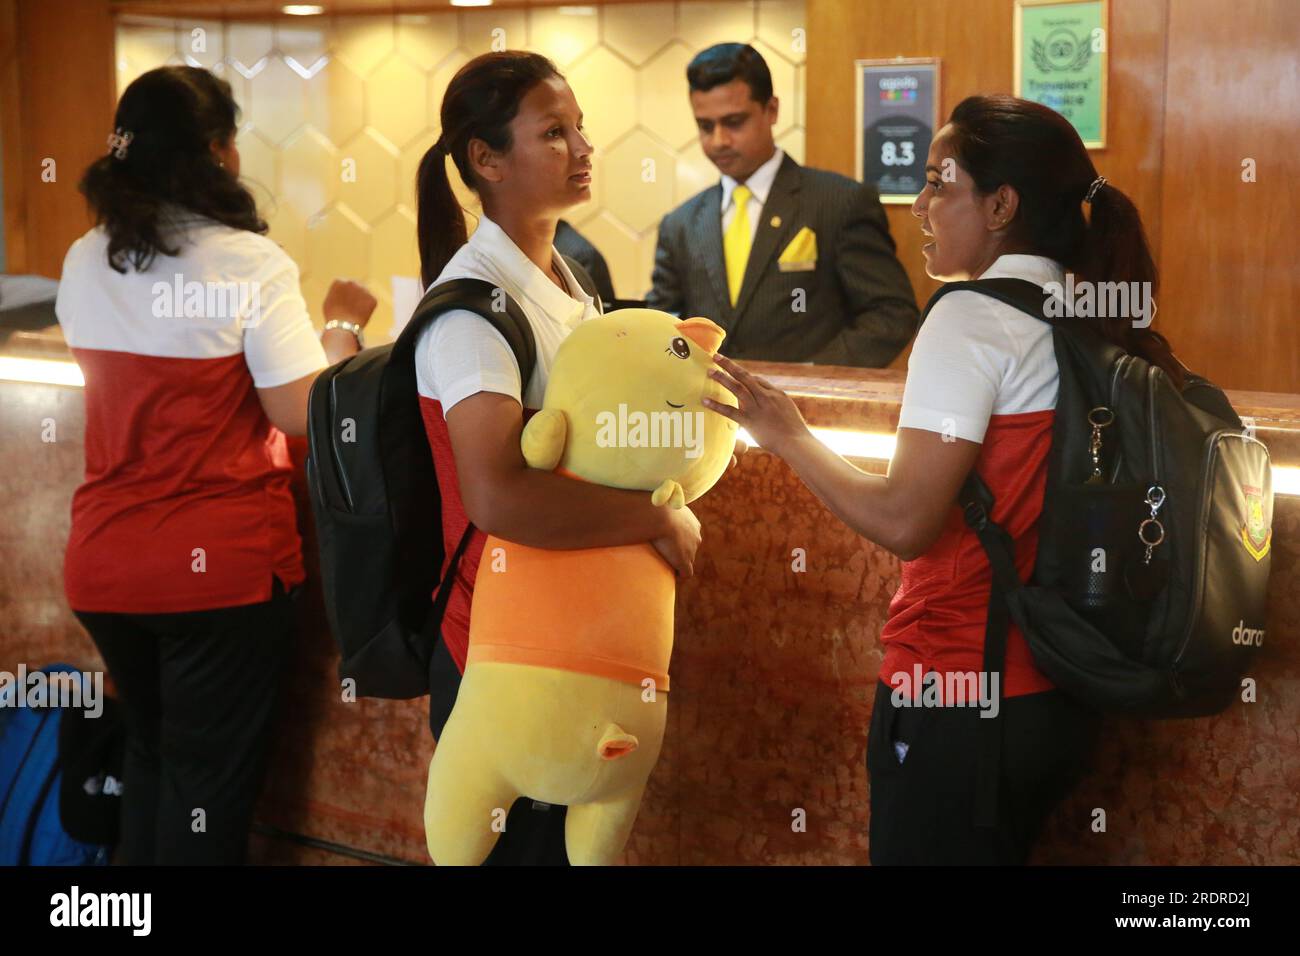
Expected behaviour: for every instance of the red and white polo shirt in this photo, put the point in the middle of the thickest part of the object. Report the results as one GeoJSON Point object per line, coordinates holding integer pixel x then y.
{"type": "Point", "coordinates": [186, 502]}
{"type": "Point", "coordinates": [982, 371]}
{"type": "Point", "coordinates": [460, 355]}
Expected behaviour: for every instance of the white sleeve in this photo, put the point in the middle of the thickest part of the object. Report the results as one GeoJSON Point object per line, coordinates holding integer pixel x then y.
{"type": "Point", "coordinates": [958, 363]}
{"type": "Point", "coordinates": [460, 355]}
{"type": "Point", "coordinates": [68, 297]}
{"type": "Point", "coordinates": [280, 342]}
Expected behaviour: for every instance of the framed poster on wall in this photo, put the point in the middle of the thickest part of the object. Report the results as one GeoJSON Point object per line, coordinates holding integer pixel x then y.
{"type": "Point", "coordinates": [896, 117]}
{"type": "Point", "coordinates": [1062, 60]}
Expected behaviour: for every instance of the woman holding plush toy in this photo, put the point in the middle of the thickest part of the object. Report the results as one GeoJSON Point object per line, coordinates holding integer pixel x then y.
{"type": "Point", "coordinates": [1008, 183]}
{"type": "Point", "coordinates": [513, 129]}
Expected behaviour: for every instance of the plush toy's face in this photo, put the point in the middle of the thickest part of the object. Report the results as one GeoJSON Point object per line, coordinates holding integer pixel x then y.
{"type": "Point", "coordinates": [630, 384]}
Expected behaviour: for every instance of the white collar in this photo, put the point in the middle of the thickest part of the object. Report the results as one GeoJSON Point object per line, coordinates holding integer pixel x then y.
{"type": "Point", "coordinates": [759, 181]}
{"type": "Point", "coordinates": [499, 253]}
{"type": "Point", "coordinates": [1038, 269]}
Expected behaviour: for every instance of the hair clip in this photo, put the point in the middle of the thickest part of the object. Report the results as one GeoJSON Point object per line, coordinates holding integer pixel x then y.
{"type": "Point", "coordinates": [1092, 189]}
{"type": "Point", "coordinates": [118, 142]}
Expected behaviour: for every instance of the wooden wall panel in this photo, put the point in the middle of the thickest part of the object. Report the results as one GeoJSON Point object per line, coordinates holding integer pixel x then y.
{"type": "Point", "coordinates": [1196, 87]}
{"type": "Point", "coordinates": [58, 105]}
{"type": "Point", "coordinates": [11, 139]}
{"type": "Point", "coordinates": [1231, 279]}
{"type": "Point", "coordinates": [974, 40]}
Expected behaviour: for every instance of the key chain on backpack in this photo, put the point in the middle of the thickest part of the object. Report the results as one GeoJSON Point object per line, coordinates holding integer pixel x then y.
{"type": "Point", "coordinates": [1100, 417]}
{"type": "Point", "coordinates": [1155, 498]}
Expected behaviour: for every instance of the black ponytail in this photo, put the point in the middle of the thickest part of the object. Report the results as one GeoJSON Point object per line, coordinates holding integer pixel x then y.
{"type": "Point", "coordinates": [161, 162]}
{"type": "Point", "coordinates": [481, 100]}
{"type": "Point", "coordinates": [440, 223]}
{"type": "Point", "coordinates": [1115, 249]}
{"type": "Point", "coordinates": [1001, 140]}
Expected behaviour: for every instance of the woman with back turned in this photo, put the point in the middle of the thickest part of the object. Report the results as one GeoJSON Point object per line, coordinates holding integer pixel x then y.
{"type": "Point", "coordinates": [198, 354]}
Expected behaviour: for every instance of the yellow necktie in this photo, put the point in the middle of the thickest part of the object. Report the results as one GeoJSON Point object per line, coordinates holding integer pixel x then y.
{"type": "Point", "coordinates": [736, 243]}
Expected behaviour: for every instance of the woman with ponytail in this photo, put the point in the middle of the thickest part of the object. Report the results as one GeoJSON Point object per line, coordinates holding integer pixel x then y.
{"type": "Point", "coordinates": [513, 130]}
{"type": "Point", "coordinates": [1011, 192]}
{"type": "Point", "coordinates": [198, 354]}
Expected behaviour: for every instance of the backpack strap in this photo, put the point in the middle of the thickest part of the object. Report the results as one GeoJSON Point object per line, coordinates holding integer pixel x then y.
{"type": "Point", "coordinates": [17, 777]}
{"type": "Point", "coordinates": [504, 314]}
{"type": "Point", "coordinates": [976, 501]}
{"type": "Point", "coordinates": [29, 832]}
{"type": "Point", "coordinates": [584, 279]}
{"type": "Point", "coordinates": [1028, 297]}
{"type": "Point", "coordinates": [482, 298]}
{"type": "Point", "coordinates": [432, 633]}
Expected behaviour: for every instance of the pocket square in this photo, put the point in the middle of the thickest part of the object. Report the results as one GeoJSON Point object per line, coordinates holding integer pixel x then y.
{"type": "Point", "coordinates": [801, 254]}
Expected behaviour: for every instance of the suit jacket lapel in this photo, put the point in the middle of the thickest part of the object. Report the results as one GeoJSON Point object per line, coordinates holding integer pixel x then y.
{"type": "Point", "coordinates": [783, 205]}
{"type": "Point", "coordinates": [708, 227]}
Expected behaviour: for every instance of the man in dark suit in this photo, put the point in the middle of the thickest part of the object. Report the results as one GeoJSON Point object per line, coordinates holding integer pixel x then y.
{"type": "Point", "coordinates": [797, 264]}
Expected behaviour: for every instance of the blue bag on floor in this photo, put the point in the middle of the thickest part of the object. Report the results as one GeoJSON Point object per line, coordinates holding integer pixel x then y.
{"type": "Point", "coordinates": [31, 832]}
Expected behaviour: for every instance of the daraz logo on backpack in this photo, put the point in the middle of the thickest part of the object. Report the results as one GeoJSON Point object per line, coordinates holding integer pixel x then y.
{"type": "Point", "coordinates": [1255, 535]}
{"type": "Point", "coordinates": [1241, 634]}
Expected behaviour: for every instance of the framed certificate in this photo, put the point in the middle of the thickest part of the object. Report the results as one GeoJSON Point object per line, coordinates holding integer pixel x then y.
{"type": "Point", "coordinates": [897, 115]}
{"type": "Point", "coordinates": [1062, 60]}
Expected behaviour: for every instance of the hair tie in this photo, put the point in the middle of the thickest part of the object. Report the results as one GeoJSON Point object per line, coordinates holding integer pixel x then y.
{"type": "Point", "coordinates": [1092, 189]}
{"type": "Point", "coordinates": [118, 141]}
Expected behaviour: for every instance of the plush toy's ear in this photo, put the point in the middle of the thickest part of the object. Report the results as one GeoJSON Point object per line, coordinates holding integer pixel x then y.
{"type": "Point", "coordinates": [705, 333]}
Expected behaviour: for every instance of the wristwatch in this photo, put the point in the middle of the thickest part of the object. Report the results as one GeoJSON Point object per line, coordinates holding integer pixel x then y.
{"type": "Point", "coordinates": [347, 326]}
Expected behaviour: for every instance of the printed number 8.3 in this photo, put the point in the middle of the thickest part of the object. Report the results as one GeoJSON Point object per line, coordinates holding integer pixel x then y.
{"type": "Point", "coordinates": [889, 153]}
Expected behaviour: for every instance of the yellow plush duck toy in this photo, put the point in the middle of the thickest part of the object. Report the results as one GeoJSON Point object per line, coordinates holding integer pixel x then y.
{"type": "Point", "coordinates": [564, 696]}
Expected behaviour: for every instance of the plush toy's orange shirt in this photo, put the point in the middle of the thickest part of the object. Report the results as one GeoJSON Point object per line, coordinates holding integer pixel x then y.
{"type": "Point", "coordinates": [557, 608]}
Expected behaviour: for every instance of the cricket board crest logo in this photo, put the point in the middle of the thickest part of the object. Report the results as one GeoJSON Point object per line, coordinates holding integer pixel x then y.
{"type": "Point", "coordinates": [1255, 533]}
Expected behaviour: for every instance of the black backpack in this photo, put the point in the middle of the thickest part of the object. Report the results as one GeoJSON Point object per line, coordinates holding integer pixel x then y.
{"type": "Point", "coordinates": [376, 500]}
{"type": "Point", "coordinates": [1167, 638]}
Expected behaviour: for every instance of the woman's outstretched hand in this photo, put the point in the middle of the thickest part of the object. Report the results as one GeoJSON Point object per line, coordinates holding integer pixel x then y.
{"type": "Point", "coordinates": [766, 412]}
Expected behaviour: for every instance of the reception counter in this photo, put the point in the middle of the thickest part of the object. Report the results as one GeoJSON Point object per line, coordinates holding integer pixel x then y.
{"type": "Point", "coordinates": [773, 673]}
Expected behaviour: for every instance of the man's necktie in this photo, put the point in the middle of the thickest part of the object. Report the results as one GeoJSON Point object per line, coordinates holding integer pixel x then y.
{"type": "Point", "coordinates": [736, 243]}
